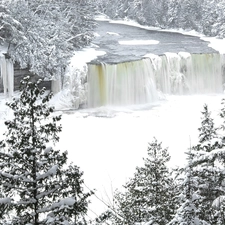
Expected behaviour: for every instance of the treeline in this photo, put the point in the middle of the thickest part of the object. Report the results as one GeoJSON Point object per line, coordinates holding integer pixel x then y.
{"type": "Point", "coordinates": [191, 195]}
{"type": "Point", "coordinates": [205, 16]}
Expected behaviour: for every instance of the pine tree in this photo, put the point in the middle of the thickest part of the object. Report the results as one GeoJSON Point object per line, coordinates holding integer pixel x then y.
{"type": "Point", "coordinates": [208, 137]}
{"type": "Point", "coordinates": [37, 184]}
{"type": "Point", "coordinates": [187, 213]}
{"type": "Point", "coordinates": [207, 166]}
{"type": "Point", "coordinates": [149, 195]}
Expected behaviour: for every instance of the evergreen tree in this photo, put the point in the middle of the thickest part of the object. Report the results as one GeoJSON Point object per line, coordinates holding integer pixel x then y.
{"type": "Point", "coordinates": [207, 166]}
{"type": "Point", "coordinates": [187, 213]}
{"type": "Point", "coordinates": [208, 137]}
{"type": "Point", "coordinates": [149, 195]}
{"type": "Point", "coordinates": [37, 185]}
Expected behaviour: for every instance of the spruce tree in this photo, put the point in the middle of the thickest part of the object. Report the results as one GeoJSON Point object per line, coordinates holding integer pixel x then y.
{"type": "Point", "coordinates": [188, 212]}
{"type": "Point", "coordinates": [208, 137]}
{"type": "Point", "coordinates": [207, 167]}
{"type": "Point", "coordinates": [39, 187]}
{"type": "Point", "coordinates": [149, 195]}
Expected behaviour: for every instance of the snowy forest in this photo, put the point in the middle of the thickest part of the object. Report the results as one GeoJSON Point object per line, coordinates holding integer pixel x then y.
{"type": "Point", "coordinates": [204, 16]}
{"type": "Point", "coordinates": [43, 35]}
{"type": "Point", "coordinates": [37, 185]}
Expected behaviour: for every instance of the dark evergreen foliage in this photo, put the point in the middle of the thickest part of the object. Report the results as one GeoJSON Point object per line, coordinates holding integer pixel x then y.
{"type": "Point", "coordinates": [208, 137]}
{"type": "Point", "coordinates": [149, 195]}
{"type": "Point", "coordinates": [38, 186]}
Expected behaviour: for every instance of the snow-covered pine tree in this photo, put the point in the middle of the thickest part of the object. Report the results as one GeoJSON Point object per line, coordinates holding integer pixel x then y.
{"type": "Point", "coordinates": [37, 184]}
{"type": "Point", "coordinates": [149, 195]}
{"type": "Point", "coordinates": [187, 213]}
{"type": "Point", "coordinates": [206, 166]}
{"type": "Point", "coordinates": [208, 137]}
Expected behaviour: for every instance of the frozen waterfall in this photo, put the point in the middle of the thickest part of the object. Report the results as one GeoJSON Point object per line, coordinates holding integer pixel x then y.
{"type": "Point", "coordinates": [139, 82]}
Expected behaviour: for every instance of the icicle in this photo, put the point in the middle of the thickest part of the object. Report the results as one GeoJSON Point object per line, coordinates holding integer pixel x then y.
{"type": "Point", "coordinates": [3, 73]}
{"type": "Point", "coordinates": [10, 77]}
{"type": "Point", "coordinates": [7, 75]}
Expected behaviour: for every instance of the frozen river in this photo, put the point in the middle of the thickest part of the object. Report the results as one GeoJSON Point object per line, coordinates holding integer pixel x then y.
{"type": "Point", "coordinates": [127, 43]}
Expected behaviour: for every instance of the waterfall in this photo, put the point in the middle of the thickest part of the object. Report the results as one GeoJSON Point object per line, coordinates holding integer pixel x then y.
{"type": "Point", "coordinates": [139, 82]}
{"type": "Point", "coordinates": [7, 75]}
{"type": "Point", "coordinates": [121, 84]}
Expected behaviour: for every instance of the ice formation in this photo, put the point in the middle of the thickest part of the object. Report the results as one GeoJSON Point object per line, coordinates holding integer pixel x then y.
{"type": "Point", "coordinates": [7, 75]}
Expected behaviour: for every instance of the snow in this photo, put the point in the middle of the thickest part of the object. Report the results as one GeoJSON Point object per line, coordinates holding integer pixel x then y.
{"type": "Point", "coordinates": [218, 201]}
{"type": "Point", "coordinates": [215, 43]}
{"type": "Point", "coordinates": [139, 42]}
{"type": "Point", "coordinates": [108, 143]}
{"type": "Point", "coordinates": [73, 92]}
{"type": "Point", "coordinates": [64, 203]}
{"type": "Point", "coordinates": [112, 33]}
{"type": "Point", "coordinates": [80, 58]}
{"type": "Point", "coordinates": [51, 172]}
{"type": "Point", "coordinates": [47, 150]}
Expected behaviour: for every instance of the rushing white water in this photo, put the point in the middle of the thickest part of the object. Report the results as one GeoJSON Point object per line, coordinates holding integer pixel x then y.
{"type": "Point", "coordinates": [7, 76]}
{"type": "Point", "coordinates": [140, 81]}
{"type": "Point", "coordinates": [121, 84]}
